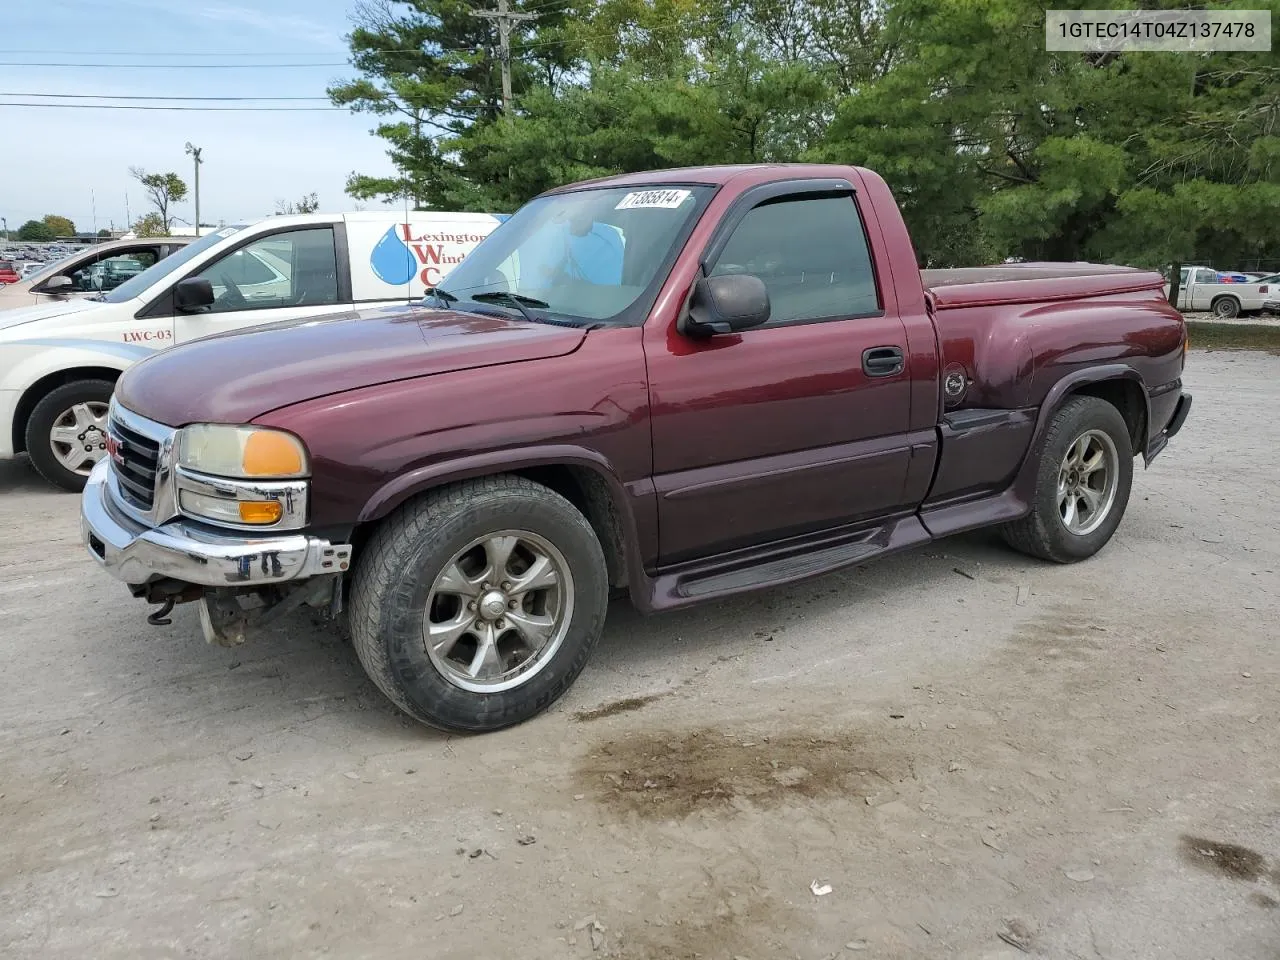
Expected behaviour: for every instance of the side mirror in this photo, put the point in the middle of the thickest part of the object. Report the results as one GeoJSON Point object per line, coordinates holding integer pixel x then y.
{"type": "Point", "coordinates": [192, 294]}
{"type": "Point", "coordinates": [727, 304]}
{"type": "Point", "coordinates": [58, 284]}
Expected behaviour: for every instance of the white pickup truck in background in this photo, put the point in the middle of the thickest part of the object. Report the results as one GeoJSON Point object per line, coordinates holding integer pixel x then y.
{"type": "Point", "coordinates": [1201, 288]}
{"type": "Point", "coordinates": [59, 359]}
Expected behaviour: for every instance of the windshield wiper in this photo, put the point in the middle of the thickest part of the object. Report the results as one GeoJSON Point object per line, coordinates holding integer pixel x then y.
{"type": "Point", "coordinates": [517, 300]}
{"type": "Point", "coordinates": [441, 295]}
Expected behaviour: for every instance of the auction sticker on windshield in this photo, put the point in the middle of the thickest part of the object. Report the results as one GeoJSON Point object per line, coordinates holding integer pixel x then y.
{"type": "Point", "coordinates": [653, 199]}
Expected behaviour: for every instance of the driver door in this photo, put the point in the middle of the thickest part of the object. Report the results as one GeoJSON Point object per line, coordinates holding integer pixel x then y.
{"type": "Point", "coordinates": [281, 276]}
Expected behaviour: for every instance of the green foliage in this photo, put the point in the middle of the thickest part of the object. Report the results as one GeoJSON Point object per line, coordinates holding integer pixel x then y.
{"type": "Point", "coordinates": [61, 226]}
{"type": "Point", "coordinates": [163, 190]}
{"type": "Point", "coordinates": [994, 147]}
{"type": "Point", "coordinates": [307, 203]}
{"type": "Point", "coordinates": [35, 231]}
{"type": "Point", "coordinates": [151, 225]}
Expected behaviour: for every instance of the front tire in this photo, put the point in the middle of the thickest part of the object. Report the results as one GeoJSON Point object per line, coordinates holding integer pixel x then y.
{"type": "Point", "coordinates": [1082, 484]}
{"type": "Point", "coordinates": [476, 606]}
{"type": "Point", "coordinates": [67, 432]}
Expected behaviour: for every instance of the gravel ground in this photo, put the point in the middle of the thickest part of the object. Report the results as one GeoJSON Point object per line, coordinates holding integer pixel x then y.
{"type": "Point", "coordinates": [982, 755]}
{"type": "Point", "coordinates": [1260, 319]}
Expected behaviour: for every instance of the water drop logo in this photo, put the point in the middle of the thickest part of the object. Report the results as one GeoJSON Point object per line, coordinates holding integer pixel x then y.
{"type": "Point", "coordinates": [392, 260]}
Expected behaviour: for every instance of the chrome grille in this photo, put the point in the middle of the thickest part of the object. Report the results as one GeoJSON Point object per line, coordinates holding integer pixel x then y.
{"type": "Point", "coordinates": [134, 461]}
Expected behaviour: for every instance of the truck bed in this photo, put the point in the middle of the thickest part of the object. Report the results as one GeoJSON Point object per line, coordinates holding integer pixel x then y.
{"type": "Point", "coordinates": [1032, 282]}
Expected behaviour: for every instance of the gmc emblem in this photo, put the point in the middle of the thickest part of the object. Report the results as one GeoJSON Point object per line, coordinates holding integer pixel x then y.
{"type": "Point", "coordinates": [115, 450]}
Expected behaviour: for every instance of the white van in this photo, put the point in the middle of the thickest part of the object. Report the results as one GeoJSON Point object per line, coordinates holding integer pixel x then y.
{"type": "Point", "coordinates": [59, 360]}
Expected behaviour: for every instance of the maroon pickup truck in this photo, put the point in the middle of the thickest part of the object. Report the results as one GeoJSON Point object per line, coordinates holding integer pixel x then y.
{"type": "Point", "coordinates": [680, 385]}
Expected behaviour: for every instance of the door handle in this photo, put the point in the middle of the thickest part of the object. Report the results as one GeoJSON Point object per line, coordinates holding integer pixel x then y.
{"type": "Point", "coordinates": [882, 361]}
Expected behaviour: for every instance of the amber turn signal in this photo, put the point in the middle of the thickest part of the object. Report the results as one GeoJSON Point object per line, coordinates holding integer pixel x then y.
{"type": "Point", "coordinates": [271, 454]}
{"type": "Point", "coordinates": [260, 511]}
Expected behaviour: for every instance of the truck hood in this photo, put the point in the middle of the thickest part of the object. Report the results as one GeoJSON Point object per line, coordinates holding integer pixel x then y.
{"type": "Point", "coordinates": [235, 377]}
{"type": "Point", "coordinates": [44, 311]}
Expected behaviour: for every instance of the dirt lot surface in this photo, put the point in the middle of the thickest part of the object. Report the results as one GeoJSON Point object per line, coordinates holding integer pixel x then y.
{"type": "Point", "coordinates": [982, 755]}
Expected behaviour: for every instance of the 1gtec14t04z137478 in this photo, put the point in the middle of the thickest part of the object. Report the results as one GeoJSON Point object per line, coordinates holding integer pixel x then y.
{"type": "Point", "coordinates": [682, 385]}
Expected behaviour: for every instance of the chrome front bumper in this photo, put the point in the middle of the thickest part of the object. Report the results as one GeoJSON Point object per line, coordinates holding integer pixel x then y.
{"type": "Point", "coordinates": [135, 553]}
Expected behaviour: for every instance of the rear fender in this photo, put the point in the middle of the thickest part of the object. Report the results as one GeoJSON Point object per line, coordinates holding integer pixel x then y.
{"type": "Point", "coordinates": [1024, 484]}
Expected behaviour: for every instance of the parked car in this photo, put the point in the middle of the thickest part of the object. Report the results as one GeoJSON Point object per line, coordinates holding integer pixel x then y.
{"type": "Point", "coordinates": [1202, 288]}
{"type": "Point", "coordinates": [683, 384]}
{"type": "Point", "coordinates": [59, 359]}
{"type": "Point", "coordinates": [8, 272]}
{"type": "Point", "coordinates": [74, 276]}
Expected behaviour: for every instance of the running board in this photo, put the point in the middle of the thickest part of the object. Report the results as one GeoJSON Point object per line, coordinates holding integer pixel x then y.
{"type": "Point", "coordinates": [788, 562]}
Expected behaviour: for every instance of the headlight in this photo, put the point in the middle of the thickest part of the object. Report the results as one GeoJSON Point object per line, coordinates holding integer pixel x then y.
{"type": "Point", "coordinates": [223, 450]}
{"type": "Point", "coordinates": [242, 476]}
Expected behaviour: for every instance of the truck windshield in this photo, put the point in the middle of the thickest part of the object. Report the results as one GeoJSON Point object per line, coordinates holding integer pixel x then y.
{"type": "Point", "coordinates": [586, 256]}
{"type": "Point", "coordinates": [138, 285]}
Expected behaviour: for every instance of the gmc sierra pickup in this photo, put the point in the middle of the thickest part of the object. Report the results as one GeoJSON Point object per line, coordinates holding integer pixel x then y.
{"type": "Point", "coordinates": [681, 384]}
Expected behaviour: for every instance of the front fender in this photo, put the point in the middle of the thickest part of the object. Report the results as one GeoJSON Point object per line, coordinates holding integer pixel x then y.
{"type": "Point", "coordinates": [636, 502]}
{"type": "Point", "coordinates": [24, 363]}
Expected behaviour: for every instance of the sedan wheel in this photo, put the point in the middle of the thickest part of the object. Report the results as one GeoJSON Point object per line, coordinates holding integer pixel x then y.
{"type": "Point", "coordinates": [79, 436]}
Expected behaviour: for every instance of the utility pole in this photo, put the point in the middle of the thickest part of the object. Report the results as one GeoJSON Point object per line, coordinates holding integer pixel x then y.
{"type": "Point", "coordinates": [128, 221]}
{"type": "Point", "coordinates": [505, 18]}
{"type": "Point", "coordinates": [195, 153]}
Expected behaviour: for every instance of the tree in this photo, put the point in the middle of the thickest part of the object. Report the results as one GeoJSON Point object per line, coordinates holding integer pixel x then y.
{"type": "Point", "coordinates": [430, 68]}
{"type": "Point", "coordinates": [994, 147]}
{"type": "Point", "coordinates": [162, 189]}
{"type": "Point", "coordinates": [104, 232]}
{"type": "Point", "coordinates": [307, 203]}
{"type": "Point", "coordinates": [36, 231]}
{"type": "Point", "coordinates": [61, 226]}
{"type": "Point", "coordinates": [150, 225]}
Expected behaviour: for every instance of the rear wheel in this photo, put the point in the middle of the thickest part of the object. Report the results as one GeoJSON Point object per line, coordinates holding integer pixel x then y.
{"type": "Point", "coordinates": [476, 606]}
{"type": "Point", "coordinates": [67, 432]}
{"type": "Point", "coordinates": [1226, 308]}
{"type": "Point", "coordinates": [1082, 484]}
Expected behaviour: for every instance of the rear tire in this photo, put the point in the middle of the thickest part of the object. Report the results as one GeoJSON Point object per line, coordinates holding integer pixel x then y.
{"type": "Point", "coordinates": [452, 619]}
{"type": "Point", "coordinates": [1076, 509]}
{"type": "Point", "coordinates": [1226, 308]}
{"type": "Point", "coordinates": [59, 409]}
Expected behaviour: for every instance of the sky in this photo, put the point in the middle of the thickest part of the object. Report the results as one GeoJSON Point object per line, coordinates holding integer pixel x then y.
{"type": "Point", "coordinates": [75, 162]}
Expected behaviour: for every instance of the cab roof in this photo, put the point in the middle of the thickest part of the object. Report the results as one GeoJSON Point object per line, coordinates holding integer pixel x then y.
{"type": "Point", "coordinates": [715, 175]}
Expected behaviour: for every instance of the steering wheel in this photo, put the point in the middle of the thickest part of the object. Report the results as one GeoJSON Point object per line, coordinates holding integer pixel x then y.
{"type": "Point", "coordinates": [231, 297]}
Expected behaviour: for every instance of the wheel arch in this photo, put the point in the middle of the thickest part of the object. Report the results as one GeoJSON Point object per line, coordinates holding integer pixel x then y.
{"type": "Point", "coordinates": [583, 477]}
{"type": "Point", "coordinates": [42, 387]}
{"type": "Point", "coordinates": [1117, 383]}
{"type": "Point", "coordinates": [1219, 297]}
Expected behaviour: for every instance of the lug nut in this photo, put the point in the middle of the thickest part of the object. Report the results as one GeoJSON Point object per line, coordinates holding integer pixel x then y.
{"type": "Point", "coordinates": [512, 604]}
{"type": "Point", "coordinates": [502, 624]}
{"type": "Point", "coordinates": [506, 585]}
{"type": "Point", "coordinates": [471, 604]}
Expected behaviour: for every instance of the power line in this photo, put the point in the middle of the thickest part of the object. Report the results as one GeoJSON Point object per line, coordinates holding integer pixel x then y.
{"type": "Point", "coordinates": [122, 96]}
{"type": "Point", "coordinates": [131, 106]}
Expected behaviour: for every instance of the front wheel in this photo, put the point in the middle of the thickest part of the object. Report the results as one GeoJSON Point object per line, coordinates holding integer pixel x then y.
{"type": "Point", "coordinates": [1082, 484]}
{"type": "Point", "coordinates": [476, 606]}
{"type": "Point", "coordinates": [67, 432]}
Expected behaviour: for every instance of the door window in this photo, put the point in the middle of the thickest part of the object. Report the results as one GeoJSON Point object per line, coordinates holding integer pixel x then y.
{"type": "Point", "coordinates": [294, 269]}
{"type": "Point", "coordinates": [108, 273]}
{"type": "Point", "coordinates": [812, 256]}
